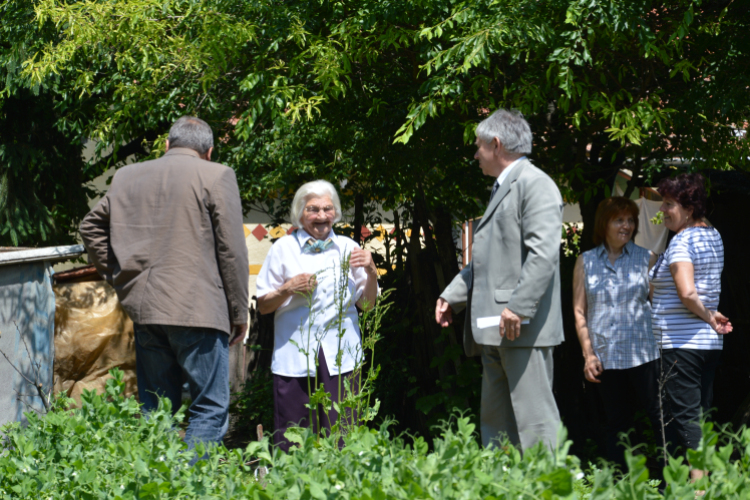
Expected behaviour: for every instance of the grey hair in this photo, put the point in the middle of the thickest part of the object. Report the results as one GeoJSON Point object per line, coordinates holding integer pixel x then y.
{"type": "Point", "coordinates": [193, 133]}
{"type": "Point", "coordinates": [314, 189]}
{"type": "Point", "coordinates": [510, 128]}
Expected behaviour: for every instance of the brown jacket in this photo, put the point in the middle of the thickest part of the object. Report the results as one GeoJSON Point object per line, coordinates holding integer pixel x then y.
{"type": "Point", "coordinates": [168, 236]}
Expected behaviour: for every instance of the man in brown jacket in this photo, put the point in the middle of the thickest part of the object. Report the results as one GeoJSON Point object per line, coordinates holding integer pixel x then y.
{"type": "Point", "coordinates": [168, 236]}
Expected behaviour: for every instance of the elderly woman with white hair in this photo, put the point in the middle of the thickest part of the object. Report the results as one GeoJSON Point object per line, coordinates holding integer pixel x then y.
{"type": "Point", "coordinates": [308, 261]}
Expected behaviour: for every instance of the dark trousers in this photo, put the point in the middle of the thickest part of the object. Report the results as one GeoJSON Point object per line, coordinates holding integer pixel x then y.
{"type": "Point", "coordinates": [616, 389]}
{"type": "Point", "coordinates": [290, 397]}
{"type": "Point", "coordinates": [689, 388]}
{"type": "Point", "coordinates": [165, 354]}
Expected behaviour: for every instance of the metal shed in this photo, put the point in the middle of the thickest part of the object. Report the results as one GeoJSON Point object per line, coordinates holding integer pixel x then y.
{"type": "Point", "coordinates": [27, 316]}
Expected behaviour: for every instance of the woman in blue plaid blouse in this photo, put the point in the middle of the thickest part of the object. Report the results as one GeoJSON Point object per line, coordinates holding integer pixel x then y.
{"type": "Point", "coordinates": [613, 321]}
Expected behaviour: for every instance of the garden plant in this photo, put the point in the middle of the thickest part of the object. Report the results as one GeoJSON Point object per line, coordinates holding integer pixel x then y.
{"type": "Point", "coordinates": [106, 450]}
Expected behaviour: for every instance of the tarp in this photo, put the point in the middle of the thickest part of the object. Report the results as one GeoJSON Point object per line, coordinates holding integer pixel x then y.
{"type": "Point", "coordinates": [651, 236]}
{"type": "Point", "coordinates": [93, 334]}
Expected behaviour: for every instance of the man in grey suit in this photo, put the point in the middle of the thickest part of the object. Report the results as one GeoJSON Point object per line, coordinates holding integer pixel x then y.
{"type": "Point", "coordinates": [168, 236]}
{"type": "Point", "coordinates": [511, 288]}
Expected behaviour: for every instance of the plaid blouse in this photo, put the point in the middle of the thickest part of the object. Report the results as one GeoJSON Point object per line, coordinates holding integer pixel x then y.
{"type": "Point", "coordinates": [618, 311]}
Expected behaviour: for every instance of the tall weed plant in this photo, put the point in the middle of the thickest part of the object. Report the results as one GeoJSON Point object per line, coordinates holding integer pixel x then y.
{"type": "Point", "coordinates": [353, 405]}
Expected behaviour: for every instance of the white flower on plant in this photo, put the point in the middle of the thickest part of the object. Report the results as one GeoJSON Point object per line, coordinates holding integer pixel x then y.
{"type": "Point", "coordinates": [339, 486]}
{"type": "Point", "coordinates": [161, 458]}
{"type": "Point", "coordinates": [579, 475]}
{"type": "Point", "coordinates": [75, 474]}
{"type": "Point", "coordinates": [505, 469]}
{"type": "Point", "coordinates": [361, 453]}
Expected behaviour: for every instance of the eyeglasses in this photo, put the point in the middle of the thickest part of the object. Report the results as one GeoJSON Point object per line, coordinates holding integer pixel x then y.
{"type": "Point", "coordinates": [314, 210]}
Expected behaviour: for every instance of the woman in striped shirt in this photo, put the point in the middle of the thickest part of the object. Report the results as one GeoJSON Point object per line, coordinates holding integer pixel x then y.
{"type": "Point", "coordinates": [613, 320]}
{"type": "Point", "coordinates": [686, 283]}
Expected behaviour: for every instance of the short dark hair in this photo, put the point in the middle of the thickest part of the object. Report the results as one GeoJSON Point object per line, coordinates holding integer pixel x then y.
{"type": "Point", "coordinates": [688, 190]}
{"type": "Point", "coordinates": [607, 210]}
{"type": "Point", "coordinates": [193, 133]}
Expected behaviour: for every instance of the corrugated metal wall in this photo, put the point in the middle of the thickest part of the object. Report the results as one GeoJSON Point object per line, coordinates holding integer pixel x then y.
{"type": "Point", "coordinates": [27, 313]}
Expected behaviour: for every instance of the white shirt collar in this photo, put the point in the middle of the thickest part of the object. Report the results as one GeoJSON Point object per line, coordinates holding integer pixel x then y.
{"type": "Point", "coordinates": [505, 173]}
{"type": "Point", "coordinates": [303, 236]}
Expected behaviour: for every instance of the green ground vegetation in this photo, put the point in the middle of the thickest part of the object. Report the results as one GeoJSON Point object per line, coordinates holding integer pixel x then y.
{"type": "Point", "coordinates": [106, 450]}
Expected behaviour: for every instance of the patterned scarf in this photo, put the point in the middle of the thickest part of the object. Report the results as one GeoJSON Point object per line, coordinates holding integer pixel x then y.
{"type": "Point", "coordinates": [316, 246]}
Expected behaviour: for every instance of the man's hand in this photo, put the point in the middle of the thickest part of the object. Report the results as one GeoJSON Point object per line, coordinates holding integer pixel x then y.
{"type": "Point", "coordinates": [302, 283]}
{"type": "Point", "coordinates": [510, 324]}
{"type": "Point", "coordinates": [363, 258]}
{"type": "Point", "coordinates": [592, 369]}
{"type": "Point", "coordinates": [238, 334]}
{"type": "Point", "coordinates": [443, 313]}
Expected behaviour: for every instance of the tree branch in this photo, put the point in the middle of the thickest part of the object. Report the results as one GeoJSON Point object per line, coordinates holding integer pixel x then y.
{"type": "Point", "coordinates": [134, 147]}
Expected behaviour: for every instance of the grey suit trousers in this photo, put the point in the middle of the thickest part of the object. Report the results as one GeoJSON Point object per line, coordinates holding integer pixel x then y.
{"type": "Point", "coordinates": [517, 398]}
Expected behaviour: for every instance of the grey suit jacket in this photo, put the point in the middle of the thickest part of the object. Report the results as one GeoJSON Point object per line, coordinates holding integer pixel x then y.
{"type": "Point", "coordinates": [515, 264]}
{"type": "Point", "coordinates": [168, 236]}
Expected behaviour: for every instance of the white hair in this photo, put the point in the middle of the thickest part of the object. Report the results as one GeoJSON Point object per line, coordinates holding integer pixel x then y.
{"type": "Point", "coordinates": [314, 189]}
{"type": "Point", "coordinates": [510, 128]}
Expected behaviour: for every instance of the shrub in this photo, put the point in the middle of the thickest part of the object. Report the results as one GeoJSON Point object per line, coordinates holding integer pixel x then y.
{"type": "Point", "coordinates": [105, 450]}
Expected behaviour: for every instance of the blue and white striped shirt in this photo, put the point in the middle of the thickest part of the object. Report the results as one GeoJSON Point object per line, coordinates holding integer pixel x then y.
{"type": "Point", "coordinates": [674, 325]}
{"type": "Point", "coordinates": [618, 314]}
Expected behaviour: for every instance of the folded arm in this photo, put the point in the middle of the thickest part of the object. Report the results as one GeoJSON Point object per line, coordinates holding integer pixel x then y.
{"type": "Point", "coordinates": [362, 259]}
{"type": "Point", "coordinates": [302, 283]}
{"type": "Point", "coordinates": [683, 274]}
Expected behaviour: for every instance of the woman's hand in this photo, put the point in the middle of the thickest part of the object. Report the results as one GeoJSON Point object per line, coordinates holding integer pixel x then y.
{"type": "Point", "coordinates": [363, 258]}
{"type": "Point", "coordinates": [302, 283]}
{"type": "Point", "coordinates": [592, 369]}
{"type": "Point", "coordinates": [719, 322]}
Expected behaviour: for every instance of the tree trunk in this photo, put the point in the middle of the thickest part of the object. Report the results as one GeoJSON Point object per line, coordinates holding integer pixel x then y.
{"type": "Point", "coordinates": [432, 264]}
{"type": "Point", "coordinates": [359, 216]}
{"type": "Point", "coordinates": [399, 245]}
{"type": "Point", "coordinates": [446, 250]}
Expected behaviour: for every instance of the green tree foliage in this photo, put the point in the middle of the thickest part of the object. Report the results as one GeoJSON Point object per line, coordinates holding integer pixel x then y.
{"type": "Point", "coordinates": [42, 190]}
{"type": "Point", "coordinates": [605, 84]}
{"type": "Point", "coordinates": [42, 175]}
